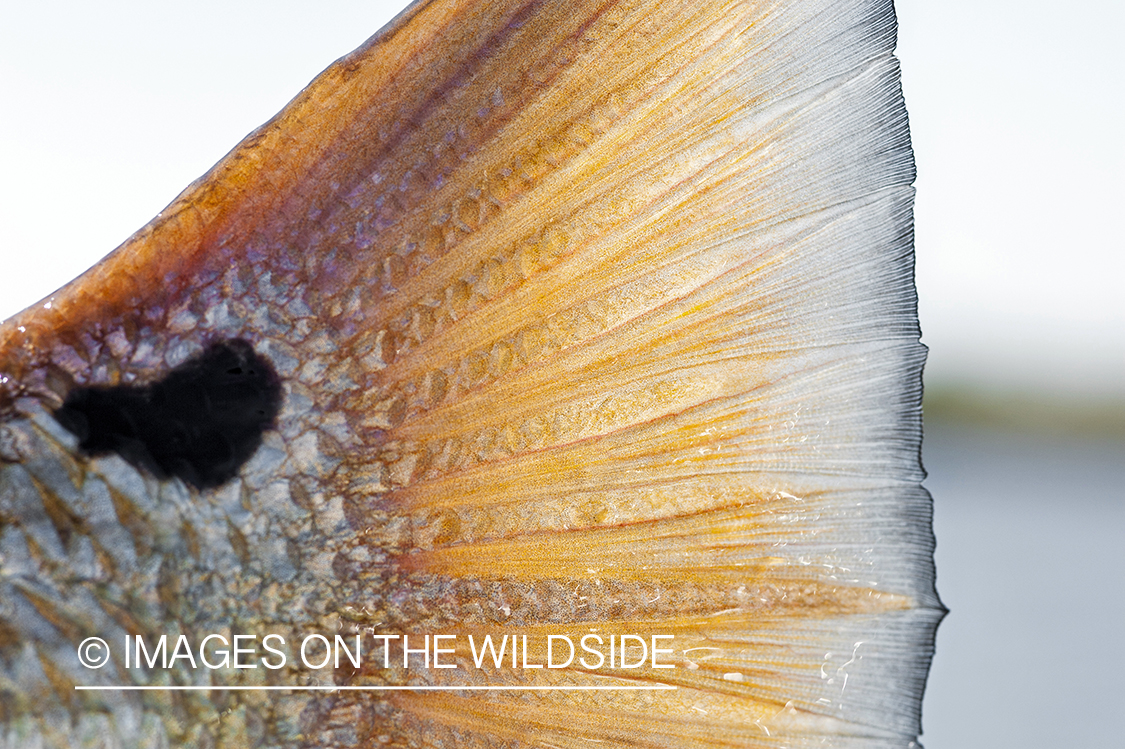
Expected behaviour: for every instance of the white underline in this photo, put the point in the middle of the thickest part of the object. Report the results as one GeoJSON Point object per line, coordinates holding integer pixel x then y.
{"type": "Point", "coordinates": [454, 688]}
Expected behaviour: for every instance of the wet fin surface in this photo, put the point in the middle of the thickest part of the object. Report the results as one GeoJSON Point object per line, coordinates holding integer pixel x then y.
{"type": "Point", "coordinates": [583, 316]}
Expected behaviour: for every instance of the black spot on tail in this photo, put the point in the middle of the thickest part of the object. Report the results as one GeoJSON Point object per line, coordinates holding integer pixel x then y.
{"type": "Point", "coordinates": [200, 423]}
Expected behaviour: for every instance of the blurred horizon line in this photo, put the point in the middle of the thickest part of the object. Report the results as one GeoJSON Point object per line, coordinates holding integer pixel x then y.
{"type": "Point", "coordinates": [1042, 411]}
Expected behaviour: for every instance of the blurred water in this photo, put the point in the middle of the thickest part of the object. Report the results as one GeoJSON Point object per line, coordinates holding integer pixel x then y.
{"type": "Point", "coordinates": [1030, 547]}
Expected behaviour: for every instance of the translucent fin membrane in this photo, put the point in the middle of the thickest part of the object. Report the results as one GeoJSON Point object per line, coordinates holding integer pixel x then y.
{"type": "Point", "coordinates": [588, 318]}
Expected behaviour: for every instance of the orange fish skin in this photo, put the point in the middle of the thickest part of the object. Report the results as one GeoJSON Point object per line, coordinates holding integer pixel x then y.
{"type": "Point", "coordinates": [589, 316]}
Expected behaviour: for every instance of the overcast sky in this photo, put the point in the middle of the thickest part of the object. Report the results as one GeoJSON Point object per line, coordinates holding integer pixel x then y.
{"type": "Point", "coordinates": [110, 109]}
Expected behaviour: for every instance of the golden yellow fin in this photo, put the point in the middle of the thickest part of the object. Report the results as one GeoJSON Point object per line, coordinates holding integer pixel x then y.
{"type": "Point", "coordinates": [584, 319]}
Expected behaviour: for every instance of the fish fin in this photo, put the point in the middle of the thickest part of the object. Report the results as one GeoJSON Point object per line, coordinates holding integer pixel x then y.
{"type": "Point", "coordinates": [606, 313]}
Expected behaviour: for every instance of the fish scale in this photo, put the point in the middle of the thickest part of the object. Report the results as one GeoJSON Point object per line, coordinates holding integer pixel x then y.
{"type": "Point", "coordinates": [593, 317]}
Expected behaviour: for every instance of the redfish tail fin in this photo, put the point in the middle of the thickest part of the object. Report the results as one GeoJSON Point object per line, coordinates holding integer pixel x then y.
{"type": "Point", "coordinates": [607, 313]}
